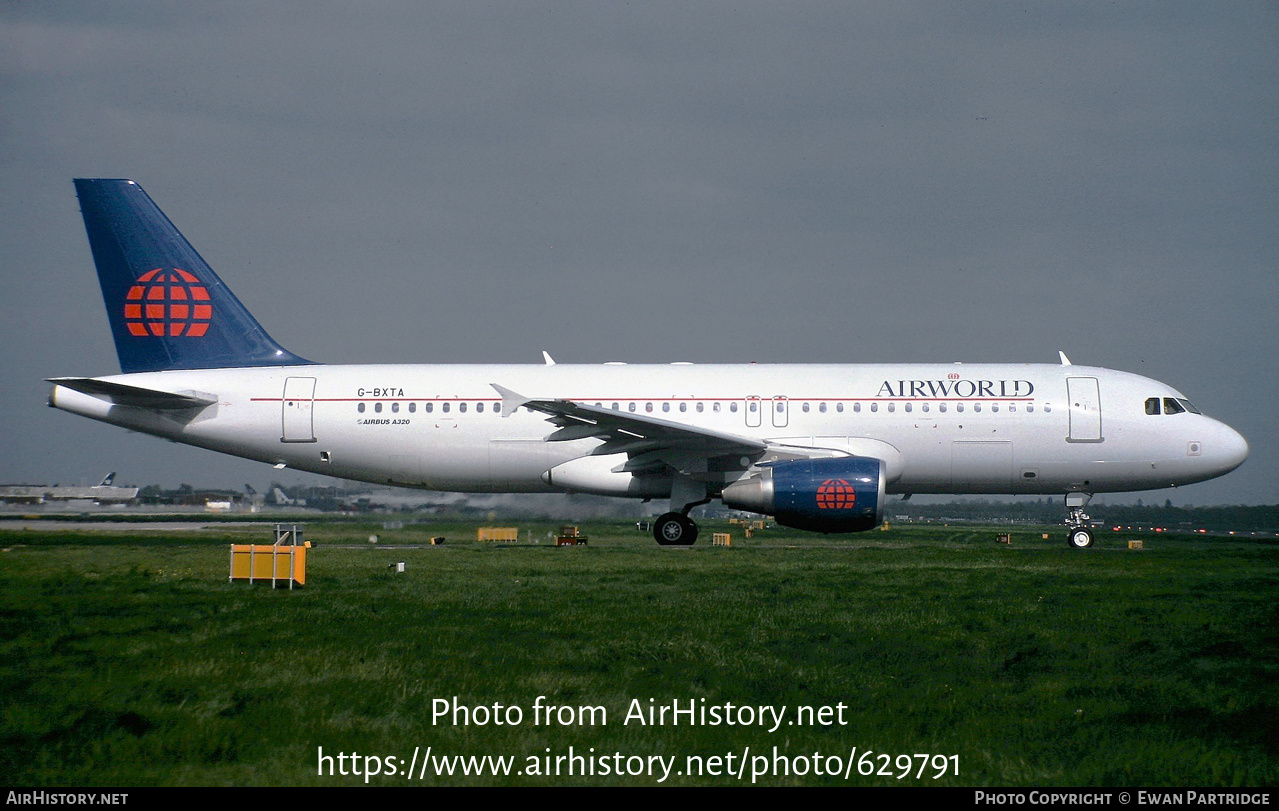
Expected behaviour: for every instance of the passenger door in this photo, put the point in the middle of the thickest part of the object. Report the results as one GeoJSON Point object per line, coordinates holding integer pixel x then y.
{"type": "Point", "coordinates": [297, 417]}
{"type": "Point", "coordinates": [1085, 409]}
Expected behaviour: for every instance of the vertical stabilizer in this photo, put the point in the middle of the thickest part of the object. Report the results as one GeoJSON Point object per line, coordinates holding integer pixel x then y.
{"type": "Point", "coordinates": [167, 308]}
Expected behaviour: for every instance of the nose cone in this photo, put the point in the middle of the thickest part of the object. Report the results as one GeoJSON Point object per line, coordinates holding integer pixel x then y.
{"type": "Point", "coordinates": [1228, 450]}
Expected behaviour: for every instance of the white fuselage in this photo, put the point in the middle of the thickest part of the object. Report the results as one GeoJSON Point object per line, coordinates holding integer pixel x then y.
{"type": "Point", "coordinates": [939, 428]}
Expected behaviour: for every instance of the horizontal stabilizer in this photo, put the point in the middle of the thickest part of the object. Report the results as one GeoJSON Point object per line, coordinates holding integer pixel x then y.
{"type": "Point", "coordinates": [136, 396]}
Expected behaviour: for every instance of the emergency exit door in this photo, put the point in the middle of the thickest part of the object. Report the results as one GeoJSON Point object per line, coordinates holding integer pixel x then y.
{"type": "Point", "coordinates": [781, 411]}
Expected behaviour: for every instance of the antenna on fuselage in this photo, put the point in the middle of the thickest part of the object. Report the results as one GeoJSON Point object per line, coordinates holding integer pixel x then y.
{"type": "Point", "coordinates": [1065, 361]}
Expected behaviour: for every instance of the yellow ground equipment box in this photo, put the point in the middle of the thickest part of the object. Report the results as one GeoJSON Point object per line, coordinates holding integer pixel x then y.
{"type": "Point", "coordinates": [281, 562]}
{"type": "Point", "coordinates": [502, 534]}
{"type": "Point", "coordinates": [722, 539]}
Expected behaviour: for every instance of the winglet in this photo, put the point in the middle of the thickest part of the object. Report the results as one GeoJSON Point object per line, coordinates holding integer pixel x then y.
{"type": "Point", "coordinates": [510, 400]}
{"type": "Point", "coordinates": [1065, 361]}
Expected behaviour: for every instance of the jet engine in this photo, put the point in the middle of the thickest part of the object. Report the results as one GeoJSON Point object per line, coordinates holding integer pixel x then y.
{"type": "Point", "coordinates": [840, 494]}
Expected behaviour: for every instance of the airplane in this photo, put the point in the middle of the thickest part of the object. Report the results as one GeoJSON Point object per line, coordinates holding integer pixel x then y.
{"type": "Point", "coordinates": [282, 498]}
{"type": "Point", "coordinates": [818, 447]}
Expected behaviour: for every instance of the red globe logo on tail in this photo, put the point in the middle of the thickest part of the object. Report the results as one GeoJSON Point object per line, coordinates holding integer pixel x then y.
{"type": "Point", "coordinates": [168, 303]}
{"type": "Point", "coordinates": [835, 494]}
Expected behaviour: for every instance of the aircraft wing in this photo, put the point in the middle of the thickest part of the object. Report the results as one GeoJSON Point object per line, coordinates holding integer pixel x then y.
{"type": "Point", "coordinates": [648, 441]}
{"type": "Point", "coordinates": [137, 396]}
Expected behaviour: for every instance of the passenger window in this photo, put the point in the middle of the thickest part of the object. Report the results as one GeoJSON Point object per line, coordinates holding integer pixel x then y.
{"type": "Point", "coordinates": [874, 407]}
{"type": "Point", "coordinates": [908, 408]}
{"type": "Point", "coordinates": [1171, 406]}
{"type": "Point", "coordinates": [959, 407]}
{"type": "Point", "coordinates": [892, 407]}
{"type": "Point", "coordinates": [497, 408]}
{"type": "Point", "coordinates": [666, 406]}
{"type": "Point", "coordinates": [648, 407]}
{"type": "Point", "coordinates": [1030, 408]}
{"type": "Point", "coordinates": [822, 408]}
{"type": "Point", "coordinates": [461, 407]}
{"type": "Point", "coordinates": [925, 408]}
{"type": "Point", "coordinates": [941, 407]}
{"type": "Point", "coordinates": [360, 408]}
{"type": "Point", "coordinates": [733, 407]}
{"type": "Point", "coordinates": [976, 406]}
{"type": "Point", "coordinates": [683, 407]}
{"type": "Point", "coordinates": [412, 408]}
{"type": "Point", "coordinates": [377, 407]}
{"type": "Point", "coordinates": [429, 407]}
{"type": "Point", "coordinates": [631, 407]}
{"type": "Point", "coordinates": [715, 408]}
{"type": "Point", "coordinates": [395, 408]}
{"type": "Point", "coordinates": [479, 407]}
{"type": "Point", "coordinates": [699, 408]}
{"type": "Point", "coordinates": [994, 406]}
{"type": "Point", "coordinates": [803, 408]}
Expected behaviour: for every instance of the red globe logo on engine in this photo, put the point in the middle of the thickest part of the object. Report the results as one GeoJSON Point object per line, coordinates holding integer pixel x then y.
{"type": "Point", "coordinates": [168, 303]}
{"type": "Point", "coordinates": [835, 494]}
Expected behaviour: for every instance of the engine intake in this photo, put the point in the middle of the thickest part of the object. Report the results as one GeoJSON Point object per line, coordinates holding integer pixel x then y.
{"type": "Point", "coordinates": [841, 494]}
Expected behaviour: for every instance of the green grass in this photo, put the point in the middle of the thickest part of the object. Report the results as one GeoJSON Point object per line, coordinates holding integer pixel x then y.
{"type": "Point", "coordinates": [127, 660]}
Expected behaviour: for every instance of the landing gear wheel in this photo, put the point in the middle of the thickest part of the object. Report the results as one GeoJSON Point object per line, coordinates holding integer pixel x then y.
{"type": "Point", "coordinates": [675, 529]}
{"type": "Point", "coordinates": [1079, 538]}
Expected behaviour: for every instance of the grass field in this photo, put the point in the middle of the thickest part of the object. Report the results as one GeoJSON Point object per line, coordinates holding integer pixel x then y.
{"type": "Point", "coordinates": [128, 659]}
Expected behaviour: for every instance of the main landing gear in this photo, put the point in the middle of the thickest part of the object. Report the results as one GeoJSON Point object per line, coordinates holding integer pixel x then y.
{"type": "Point", "coordinates": [675, 529]}
{"type": "Point", "coordinates": [1079, 536]}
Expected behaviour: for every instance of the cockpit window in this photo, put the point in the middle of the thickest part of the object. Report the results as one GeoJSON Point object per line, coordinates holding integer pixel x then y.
{"type": "Point", "coordinates": [1189, 406]}
{"type": "Point", "coordinates": [1152, 405]}
{"type": "Point", "coordinates": [1171, 406]}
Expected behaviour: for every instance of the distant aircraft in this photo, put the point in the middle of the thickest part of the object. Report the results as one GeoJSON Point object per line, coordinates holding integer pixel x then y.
{"type": "Point", "coordinates": [103, 493]}
{"type": "Point", "coordinates": [282, 499]}
{"type": "Point", "coordinates": [817, 447]}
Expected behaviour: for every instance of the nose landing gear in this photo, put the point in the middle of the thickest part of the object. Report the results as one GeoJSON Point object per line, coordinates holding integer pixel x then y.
{"type": "Point", "coordinates": [1079, 536]}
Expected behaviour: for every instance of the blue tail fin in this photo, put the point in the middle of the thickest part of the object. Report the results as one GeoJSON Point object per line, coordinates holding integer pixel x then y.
{"type": "Point", "coordinates": [167, 308]}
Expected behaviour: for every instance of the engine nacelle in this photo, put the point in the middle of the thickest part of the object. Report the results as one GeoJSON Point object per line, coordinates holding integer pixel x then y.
{"type": "Point", "coordinates": [840, 494]}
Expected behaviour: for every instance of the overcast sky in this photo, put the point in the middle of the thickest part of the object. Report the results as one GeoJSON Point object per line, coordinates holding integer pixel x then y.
{"type": "Point", "coordinates": [716, 182]}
